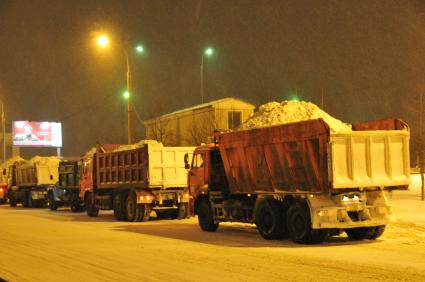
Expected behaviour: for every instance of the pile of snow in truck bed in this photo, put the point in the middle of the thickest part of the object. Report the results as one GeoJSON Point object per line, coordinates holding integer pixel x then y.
{"type": "Point", "coordinates": [11, 161]}
{"type": "Point", "coordinates": [139, 144]}
{"type": "Point", "coordinates": [52, 161]}
{"type": "Point", "coordinates": [126, 147]}
{"type": "Point", "coordinates": [275, 113]}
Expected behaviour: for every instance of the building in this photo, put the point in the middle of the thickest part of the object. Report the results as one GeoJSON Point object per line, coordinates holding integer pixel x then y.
{"type": "Point", "coordinates": [11, 151]}
{"type": "Point", "coordinates": [192, 126]}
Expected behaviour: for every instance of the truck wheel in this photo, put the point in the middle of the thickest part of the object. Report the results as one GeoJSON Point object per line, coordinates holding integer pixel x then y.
{"type": "Point", "coordinates": [12, 201]}
{"type": "Point", "coordinates": [119, 207]}
{"type": "Point", "coordinates": [299, 226]}
{"type": "Point", "coordinates": [183, 211]}
{"type": "Point", "coordinates": [205, 217]}
{"type": "Point", "coordinates": [76, 204]}
{"type": "Point", "coordinates": [53, 205]}
{"type": "Point", "coordinates": [133, 211]}
{"type": "Point", "coordinates": [180, 213]}
{"type": "Point", "coordinates": [25, 199]}
{"type": "Point", "coordinates": [91, 208]}
{"type": "Point", "coordinates": [145, 211]}
{"type": "Point", "coordinates": [269, 218]}
{"type": "Point", "coordinates": [360, 233]}
{"type": "Point", "coordinates": [379, 230]}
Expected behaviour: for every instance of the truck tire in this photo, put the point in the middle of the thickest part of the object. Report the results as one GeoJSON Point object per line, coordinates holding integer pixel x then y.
{"type": "Point", "coordinates": [134, 212]}
{"type": "Point", "coordinates": [270, 220]}
{"type": "Point", "coordinates": [53, 205]}
{"type": "Point", "coordinates": [299, 226]}
{"type": "Point", "coordinates": [183, 211]}
{"type": "Point", "coordinates": [360, 233]}
{"type": "Point", "coordinates": [12, 201]}
{"type": "Point", "coordinates": [379, 230]}
{"type": "Point", "coordinates": [205, 217]}
{"type": "Point", "coordinates": [91, 209]}
{"type": "Point", "coordinates": [75, 204]}
{"type": "Point", "coordinates": [25, 199]}
{"type": "Point", "coordinates": [119, 207]}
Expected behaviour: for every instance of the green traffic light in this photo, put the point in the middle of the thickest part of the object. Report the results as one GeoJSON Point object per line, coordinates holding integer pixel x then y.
{"type": "Point", "coordinates": [126, 94]}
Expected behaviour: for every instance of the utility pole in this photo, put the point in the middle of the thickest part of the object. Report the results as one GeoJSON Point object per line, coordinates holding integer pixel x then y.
{"type": "Point", "coordinates": [3, 128]}
{"type": "Point", "coordinates": [422, 152]}
{"type": "Point", "coordinates": [129, 102]}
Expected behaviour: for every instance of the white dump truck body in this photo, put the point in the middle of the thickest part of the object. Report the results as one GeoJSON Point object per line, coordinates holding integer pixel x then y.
{"type": "Point", "coordinates": [362, 159]}
{"type": "Point", "coordinates": [39, 171]}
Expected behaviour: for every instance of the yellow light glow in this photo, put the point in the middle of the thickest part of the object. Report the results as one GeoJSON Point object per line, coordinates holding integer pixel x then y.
{"type": "Point", "coordinates": [102, 41]}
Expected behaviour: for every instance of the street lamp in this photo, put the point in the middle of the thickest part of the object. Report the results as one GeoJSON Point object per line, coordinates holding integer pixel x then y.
{"type": "Point", "coordinates": [209, 51]}
{"type": "Point", "coordinates": [103, 42]}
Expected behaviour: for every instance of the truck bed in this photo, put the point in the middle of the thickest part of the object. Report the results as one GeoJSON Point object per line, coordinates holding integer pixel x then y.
{"type": "Point", "coordinates": [150, 166]}
{"type": "Point", "coordinates": [306, 157]}
{"type": "Point", "coordinates": [41, 173]}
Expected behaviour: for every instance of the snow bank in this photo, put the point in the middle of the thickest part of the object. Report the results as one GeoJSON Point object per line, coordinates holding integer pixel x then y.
{"type": "Point", "coordinates": [275, 113]}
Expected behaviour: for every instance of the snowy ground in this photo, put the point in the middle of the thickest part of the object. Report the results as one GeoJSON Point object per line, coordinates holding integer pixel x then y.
{"type": "Point", "coordinates": [40, 245]}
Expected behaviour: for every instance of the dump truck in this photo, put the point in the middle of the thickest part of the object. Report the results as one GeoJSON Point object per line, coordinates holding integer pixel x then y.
{"type": "Point", "coordinates": [6, 170]}
{"type": "Point", "coordinates": [31, 180]}
{"type": "Point", "coordinates": [301, 181]}
{"type": "Point", "coordinates": [66, 192]}
{"type": "Point", "coordinates": [3, 187]}
{"type": "Point", "coordinates": [134, 180]}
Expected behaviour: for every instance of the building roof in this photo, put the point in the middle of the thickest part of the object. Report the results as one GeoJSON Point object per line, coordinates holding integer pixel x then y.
{"type": "Point", "coordinates": [201, 106]}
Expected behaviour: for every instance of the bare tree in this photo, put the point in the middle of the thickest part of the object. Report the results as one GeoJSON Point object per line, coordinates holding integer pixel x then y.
{"type": "Point", "coordinates": [159, 130]}
{"type": "Point", "coordinates": [202, 129]}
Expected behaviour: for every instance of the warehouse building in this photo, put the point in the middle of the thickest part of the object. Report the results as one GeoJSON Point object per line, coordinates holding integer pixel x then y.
{"type": "Point", "coordinates": [193, 126]}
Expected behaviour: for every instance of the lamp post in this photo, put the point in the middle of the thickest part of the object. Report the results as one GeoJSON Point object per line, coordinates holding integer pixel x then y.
{"type": "Point", "coordinates": [207, 52]}
{"type": "Point", "coordinates": [3, 129]}
{"type": "Point", "coordinates": [103, 42]}
{"type": "Point", "coordinates": [127, 95]}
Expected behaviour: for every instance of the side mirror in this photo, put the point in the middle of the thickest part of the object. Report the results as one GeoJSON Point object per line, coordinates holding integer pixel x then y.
{"type": "Point", "coordinates": [186, 161]}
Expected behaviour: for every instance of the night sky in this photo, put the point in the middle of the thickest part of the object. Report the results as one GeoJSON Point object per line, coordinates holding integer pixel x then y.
{"type": "Point", "coordinates": [368, 58]}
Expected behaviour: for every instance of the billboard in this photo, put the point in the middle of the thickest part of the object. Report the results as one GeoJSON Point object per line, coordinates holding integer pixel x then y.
{"type": "Point", "coordinates": [37, 134]}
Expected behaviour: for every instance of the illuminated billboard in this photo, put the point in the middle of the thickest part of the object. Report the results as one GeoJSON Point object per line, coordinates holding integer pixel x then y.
{"type": "Point", "coordinates": [37, 134]}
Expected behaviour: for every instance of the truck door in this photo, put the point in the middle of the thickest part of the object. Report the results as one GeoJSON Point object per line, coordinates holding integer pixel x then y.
{"type": "Point", "coordinates": [197, 173]}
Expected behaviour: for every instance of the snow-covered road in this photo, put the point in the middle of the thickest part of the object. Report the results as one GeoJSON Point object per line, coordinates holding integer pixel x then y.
{"type": "Point", "coordinates": [40, 245]}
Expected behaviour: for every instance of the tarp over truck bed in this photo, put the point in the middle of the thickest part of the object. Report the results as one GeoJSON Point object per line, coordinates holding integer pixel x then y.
{"type": "Point", "coordinates": [306, 157]}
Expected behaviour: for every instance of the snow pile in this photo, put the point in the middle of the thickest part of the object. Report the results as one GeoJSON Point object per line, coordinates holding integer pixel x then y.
{"type": "Point", "coordinates": [11, 161]}
{"type": "Point", "coordinates": [51, 161]}
{"type": "Point", "coordinates": [275, 113]}
{"type": "Point", "coordinates": [90, 152]}
{"type": "Point", "coordinates": [139, 144]}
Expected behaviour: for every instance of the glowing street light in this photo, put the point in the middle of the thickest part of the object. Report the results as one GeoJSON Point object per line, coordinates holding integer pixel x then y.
{"type": "Point", "coordinates": [209, 51]}
{"type": "Point", "coordinates": [139, 48]}
{"type": "Point", "coordinates": [103, 42]}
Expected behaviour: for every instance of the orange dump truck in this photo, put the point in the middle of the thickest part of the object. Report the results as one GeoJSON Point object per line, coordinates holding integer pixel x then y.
{"type": "Point", "coordinates": [135, 180]}
{"type": "Point", "coordinates": [300, 180]}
